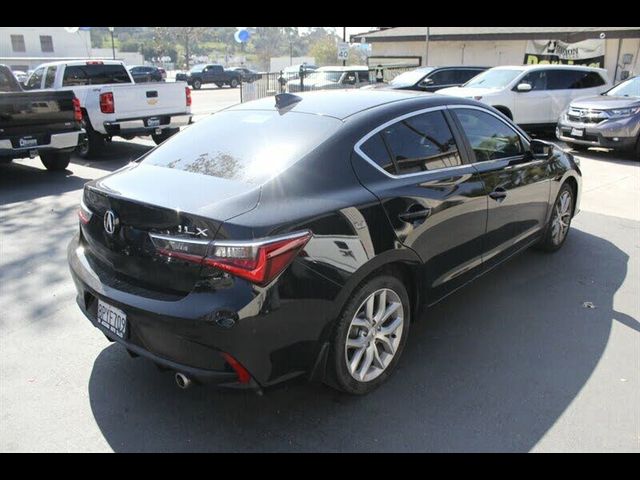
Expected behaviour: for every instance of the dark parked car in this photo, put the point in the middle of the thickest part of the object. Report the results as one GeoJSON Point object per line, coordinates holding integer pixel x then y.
{"type": "Point", "coordinates": [40, 123]}
{"type": "Point", "coordinates": [304, 238]}
{"type": "Point", "coordinates": [217, 74]}
{"type": "Point", "coordinates": [610, 120]}
{"type": "Point", "coordinates": [144, 74]}
{"type": "Point", "coordinates": [247, 74]}
{"type": "Point", "coordinates": [430, 79]}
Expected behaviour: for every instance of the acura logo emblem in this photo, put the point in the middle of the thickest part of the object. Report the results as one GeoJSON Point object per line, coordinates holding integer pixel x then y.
{"type": "Point", "coordinates": [111, 222]}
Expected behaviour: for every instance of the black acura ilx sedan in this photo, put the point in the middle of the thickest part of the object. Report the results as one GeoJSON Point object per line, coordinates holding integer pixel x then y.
{"type": "Point", "coordinates": [302, 235]}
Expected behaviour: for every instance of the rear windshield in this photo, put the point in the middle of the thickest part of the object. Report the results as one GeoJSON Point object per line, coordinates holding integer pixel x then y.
{"type": "Point", "coordinates": [248, 146]}
{"type": "Point", "coordinates": [95, 74]}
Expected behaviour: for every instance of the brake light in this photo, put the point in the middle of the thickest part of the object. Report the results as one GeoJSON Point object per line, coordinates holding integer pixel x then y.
{"type": "Point", "coordinates": [84, 214]}
{"type": "Point", "coordinates": [95, 62]}
{"type": "Point", "coordinates": [258, 261]}
{"type": "Point", "coordinates": [77, 112]}
{"type": "Point", "coordinates": [187, 91]}
{"type": "Point", "coordinates": [107, 104]}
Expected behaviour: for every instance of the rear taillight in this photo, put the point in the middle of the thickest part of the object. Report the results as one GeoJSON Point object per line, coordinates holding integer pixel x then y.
{"type": "Point", "coordinates": [258, 261]}
{"type": "Point", "coordinates": [106, 103]}
{"type": "Point", "coordinates": [187, 92]}
{"type": "Point", "coordinates": [77, 111]}
{"type": "Point", "coordinates": [84, 214]}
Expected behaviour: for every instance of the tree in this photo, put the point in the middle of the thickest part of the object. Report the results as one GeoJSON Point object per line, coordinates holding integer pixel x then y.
{"type": "Point", "coordinates": [325, 51]}
{"type": "Point", "coordinates": [185, 36]}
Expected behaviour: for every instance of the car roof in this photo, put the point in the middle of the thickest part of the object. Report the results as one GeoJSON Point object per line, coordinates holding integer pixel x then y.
{"type": "Point", "coordinates": [341, 68]}
{"type": "Point", "coordinates": [548, 65]}
{"type": "Point", "coordinates": [346, 102]}
{"type": "Point", "coordinates": [86, 61]}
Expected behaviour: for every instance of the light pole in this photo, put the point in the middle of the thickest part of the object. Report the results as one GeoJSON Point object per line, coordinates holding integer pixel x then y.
{"type": "Point", "coordinates": [113, 47]}
{"type": "Point", "coordinates": [344, 39]}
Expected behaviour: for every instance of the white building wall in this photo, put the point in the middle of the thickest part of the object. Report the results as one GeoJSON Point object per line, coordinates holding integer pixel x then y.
{"type": "Point", "coordinates": [494, 53]}
{"type": "Point", "coordinates": [65, 45]}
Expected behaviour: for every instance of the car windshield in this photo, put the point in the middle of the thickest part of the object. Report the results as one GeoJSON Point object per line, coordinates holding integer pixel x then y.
{"type": "Point", "coordinates": [197, 68]}
{"type": "Point", "coordinates": [494, 78]}
{"type": "Point", "coordinates": [218, 145]}
{"type": "Point", "coordinates": [325, 76]}
{"type": "Point", "coordinates": [628, 88]}
{"type": "Point", "coordinates": [410, 78]}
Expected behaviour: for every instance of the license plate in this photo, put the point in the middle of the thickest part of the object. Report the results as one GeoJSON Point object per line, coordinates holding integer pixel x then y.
{"type": "Point", "coordinates": [577, 132]}
{"type": "Point", "coordinates": [153, 122]}
{"type": "Point", "coordinates": [112, 318]}
{"type": "Point", "coordinates": [28, 142]}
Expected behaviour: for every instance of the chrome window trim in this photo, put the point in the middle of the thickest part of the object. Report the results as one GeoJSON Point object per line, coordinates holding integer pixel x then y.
{"type": "Point", "coordinates": [357, 147]}
{"type": "Point", "coordinates": [230, 243]}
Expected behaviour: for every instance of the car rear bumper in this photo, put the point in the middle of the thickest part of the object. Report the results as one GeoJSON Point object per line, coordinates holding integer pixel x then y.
{"type": "Point", "coordinates": [57, 141]}
{"type": "Point", "coordinates": [142, 126]}
{"type": "Point", "coordinates": [191, 333]}
{"type": "Point", "coordinates": [618, 134]}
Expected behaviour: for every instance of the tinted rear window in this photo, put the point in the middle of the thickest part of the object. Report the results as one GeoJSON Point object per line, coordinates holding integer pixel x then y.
{"type": "Point", "coordinates": [94, 75]}
{"type": "Point", "coordinates": [248, 146]}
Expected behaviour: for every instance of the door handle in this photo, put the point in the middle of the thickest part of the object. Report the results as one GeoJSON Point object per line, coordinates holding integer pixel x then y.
{"type": "Point", "coordinates": [498, 194]}
{"type": "Point", "coordinates": [415, 216]}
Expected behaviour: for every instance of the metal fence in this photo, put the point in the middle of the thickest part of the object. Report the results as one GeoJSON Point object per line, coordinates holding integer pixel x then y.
{"type": "Point", "coordinates": [272, 83]}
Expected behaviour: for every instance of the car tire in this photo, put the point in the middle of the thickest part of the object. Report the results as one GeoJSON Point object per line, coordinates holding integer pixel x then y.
{"type": "Point", "coordinates": [557, 229]}
{"type": "Point", "coordinates": [55, 161]}
{"type": "Point", "coordinates": [196, 84]}
{"type": "Point", "coordinates": [637, 149]}
{"type": "Point", "coordinates": [167, 133]}
{"type": "Point", "coordinates": [233, 83]}
{"type": "Point", "coordinates": [92, 144]}
{"type": "Point", "coordinates": [219, 85]}
{"type": "Point", "coordinates": [360, 370]}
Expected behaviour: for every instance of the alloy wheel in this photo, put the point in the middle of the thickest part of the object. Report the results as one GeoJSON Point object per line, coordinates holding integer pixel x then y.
{"type": "Point", "coordinates": [561, 218]}
{"type": "Point", "coordinates": [374, 335]}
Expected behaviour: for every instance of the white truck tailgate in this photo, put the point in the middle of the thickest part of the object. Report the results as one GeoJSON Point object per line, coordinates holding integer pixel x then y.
{"type": "Point", "coordinates": [152, 99]}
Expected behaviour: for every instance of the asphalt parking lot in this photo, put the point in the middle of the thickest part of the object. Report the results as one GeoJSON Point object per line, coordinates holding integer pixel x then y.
{"type": "Point", "coordinates": [517, 361]}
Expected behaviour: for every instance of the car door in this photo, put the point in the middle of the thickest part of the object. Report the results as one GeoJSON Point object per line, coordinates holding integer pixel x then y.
{"type": "Point", "coordinates": [517, 183]}
{"type": "Point", "coordinates": [566, 85]}
{"type": "Point", "coordinates": [533, 107]}
{"type": "Point", "coordinates": [434, 199]}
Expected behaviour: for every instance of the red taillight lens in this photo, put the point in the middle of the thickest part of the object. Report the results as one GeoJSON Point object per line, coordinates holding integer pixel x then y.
{"type": "Point", "coordinates": [187, 92]}
{"type": "Point", "coordinates": [243, 375]}
{"type": "Point", "coordinates": [258, 261]}
{"type": "Point", "coordinates": [84, 214]}
{"type": "Point", "coordinates": [107, 104]}
{"type": "Point", "coordinates": [77, 111]}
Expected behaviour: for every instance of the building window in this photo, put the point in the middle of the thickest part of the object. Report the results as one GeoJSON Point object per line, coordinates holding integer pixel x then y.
{"type": "Point", "coordinates": [17, 43]}
{"type": "Point", "coordinates": [46, 43]}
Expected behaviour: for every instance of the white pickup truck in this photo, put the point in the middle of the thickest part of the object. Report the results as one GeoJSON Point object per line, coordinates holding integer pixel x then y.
{"type": "Point", "coordinates": [113, 105]}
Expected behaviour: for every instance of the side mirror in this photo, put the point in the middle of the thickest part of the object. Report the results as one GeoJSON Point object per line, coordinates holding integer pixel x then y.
{"type": "Point", "coordinates": [426, 82]}
{"type": "Point", "coordinates": [540, 148]}
{"type": "Point", "coordinates": [524, 87]}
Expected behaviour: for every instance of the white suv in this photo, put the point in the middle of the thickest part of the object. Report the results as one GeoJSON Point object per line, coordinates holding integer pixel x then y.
{"type": "Point", "coordinates": [533, 95]}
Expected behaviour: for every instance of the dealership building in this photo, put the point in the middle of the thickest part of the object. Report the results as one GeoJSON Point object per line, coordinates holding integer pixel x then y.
{"type": "Point", "coordinates": [614, 48]}
{"type": "Point", "coordinates": [24, 48]}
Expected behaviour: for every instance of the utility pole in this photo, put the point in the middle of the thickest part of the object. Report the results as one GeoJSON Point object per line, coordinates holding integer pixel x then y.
{"type": "Point", "coordinates": [426, 53]}
{"type": "Point", "coordinates": [113, 46]}
{"type": "Point", "coordinates": [344, 39]}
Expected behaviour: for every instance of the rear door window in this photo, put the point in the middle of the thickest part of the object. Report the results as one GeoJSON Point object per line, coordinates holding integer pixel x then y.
{"type": "Point", "coordinates": [415, 144]}
{"type": "Point", "coordinates": [490, 138]}
{"type": "Point", "coordinates": [574, 79]}
{"type": "Point", "coordinates": [94, 74]}
{"type": "Point", "coordinates": [50, 77]}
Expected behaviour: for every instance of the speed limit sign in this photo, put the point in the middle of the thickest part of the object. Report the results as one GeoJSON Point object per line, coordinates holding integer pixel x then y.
{"type": "Point", "coordinates": [343, 51]}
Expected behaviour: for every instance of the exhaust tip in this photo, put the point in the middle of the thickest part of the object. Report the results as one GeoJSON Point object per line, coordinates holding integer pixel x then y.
{"type": "Point", "coordinates": [182, 381]}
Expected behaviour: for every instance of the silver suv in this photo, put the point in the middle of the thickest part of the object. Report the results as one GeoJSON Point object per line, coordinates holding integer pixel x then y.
{"type": "Point", "coordinates": [610, 120]}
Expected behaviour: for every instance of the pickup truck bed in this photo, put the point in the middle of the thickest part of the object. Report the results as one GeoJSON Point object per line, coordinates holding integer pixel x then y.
{"type": "Point", "coordinates": [41, 123]}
